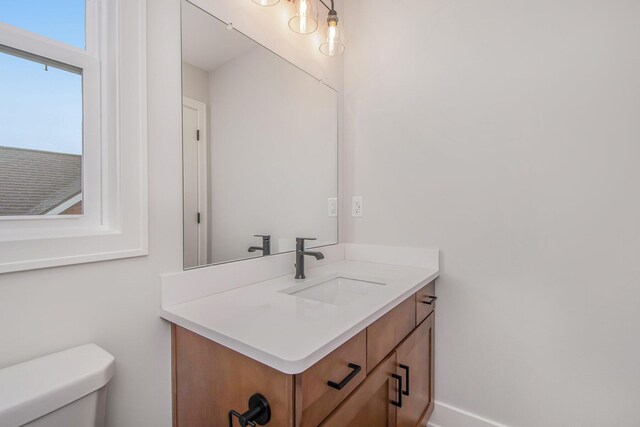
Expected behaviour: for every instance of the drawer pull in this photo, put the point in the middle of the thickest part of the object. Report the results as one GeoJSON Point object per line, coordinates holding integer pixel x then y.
{"type": "Point", "coordinates": [398, 402]}
{"type": "Point", "coordinates": [406, 368]}
{"type": "Point", "coordinates": [347, 379]}
{"type": "Point", "coordinates": [433, 299]}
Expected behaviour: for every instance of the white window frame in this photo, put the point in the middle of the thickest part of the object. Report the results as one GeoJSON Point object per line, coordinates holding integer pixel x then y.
{"type": "Point", "coordinates": [114, 188]}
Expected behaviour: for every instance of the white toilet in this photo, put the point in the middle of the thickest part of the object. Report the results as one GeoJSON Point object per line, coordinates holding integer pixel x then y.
{"type": "Point", "coordinates": [65, 389]}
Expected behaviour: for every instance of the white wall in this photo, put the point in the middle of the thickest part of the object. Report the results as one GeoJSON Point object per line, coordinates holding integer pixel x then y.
{"type": "Point", "coordinates": [506, 133]}
{"type": "Point", "coordinates": [195, 83]}
{"type": "Point", "coordinates": [116, 303]}
{"type": "Point", "coordinates": [273, 156]}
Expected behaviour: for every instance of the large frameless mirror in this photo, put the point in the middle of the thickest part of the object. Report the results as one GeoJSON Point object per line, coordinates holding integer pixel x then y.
{"type": "Point", "coordinates": [260, 147]}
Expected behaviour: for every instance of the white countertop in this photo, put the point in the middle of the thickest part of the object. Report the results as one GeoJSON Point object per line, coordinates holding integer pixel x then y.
{"type": "Point", "coordinates": [290, 333]}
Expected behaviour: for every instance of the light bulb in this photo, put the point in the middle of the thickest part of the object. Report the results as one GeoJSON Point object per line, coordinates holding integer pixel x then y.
{"type": "Point", "coordinates": [302, 11]}
{"type": "Point", "coordinates": [333, 45]}
{"type": "Point", "coordinates": [266, 2]}
{"type": "Point", "coordinates": [305, 16]}
{"type": "Point", "coordinates": [332, 39]}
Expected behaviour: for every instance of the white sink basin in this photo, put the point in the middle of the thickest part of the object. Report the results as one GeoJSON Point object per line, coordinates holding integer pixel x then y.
{"type": "Point", "coordinates": [336, 290]}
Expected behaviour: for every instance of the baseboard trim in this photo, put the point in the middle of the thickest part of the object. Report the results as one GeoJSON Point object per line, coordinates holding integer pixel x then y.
{"type": "Point", "coordinates": [446, 415]}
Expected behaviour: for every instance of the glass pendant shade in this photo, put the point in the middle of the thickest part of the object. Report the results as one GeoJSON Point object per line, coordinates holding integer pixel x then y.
{"type": "Point", "coordinates": [305, 16]}
{"type": "Point", "coordinates": [334, 43]}
{"type": "Point", "coordinates": [266, 2]}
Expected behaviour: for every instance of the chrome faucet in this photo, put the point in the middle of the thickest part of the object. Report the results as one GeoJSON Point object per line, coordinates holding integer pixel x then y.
{"type": "Point", "coordinates": [301, 253]}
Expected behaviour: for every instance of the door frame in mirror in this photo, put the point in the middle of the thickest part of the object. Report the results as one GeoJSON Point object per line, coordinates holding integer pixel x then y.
{"type": "Point", "coordinates": [203, 182]}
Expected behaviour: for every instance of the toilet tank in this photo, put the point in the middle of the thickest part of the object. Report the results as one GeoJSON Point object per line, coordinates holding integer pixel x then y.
{"type": "Point", "coordinates": [65, 389]}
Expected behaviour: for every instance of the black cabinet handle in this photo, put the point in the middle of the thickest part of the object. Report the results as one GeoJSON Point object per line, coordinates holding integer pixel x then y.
{"type": "Point", "coordinates": [433, 299]}
{"type": "Point", "coordinates": [398, 402]}
{"type": "Point", "coordinates": [259, 412]}
{"type": "Point", "coordinates": [406, 368]}
{"type": "Point", "coordinates": [347, 379]}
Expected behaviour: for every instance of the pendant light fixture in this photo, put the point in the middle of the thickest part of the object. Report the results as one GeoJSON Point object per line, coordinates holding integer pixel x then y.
{"type": "Point", "coordinates": [304, 20]}
{"type": "Point", "coordinates": [305, 16]}
{"type": "Point", "coordinates": [333, 44]}
{"type": "Point", "coordinates": [266, 2]}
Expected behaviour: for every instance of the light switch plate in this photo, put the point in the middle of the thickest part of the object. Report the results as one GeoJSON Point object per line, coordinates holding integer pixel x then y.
{"type": "Point", "coordinates": [332, 206]}
{"type": "Point", "coordinates": [357, 207]}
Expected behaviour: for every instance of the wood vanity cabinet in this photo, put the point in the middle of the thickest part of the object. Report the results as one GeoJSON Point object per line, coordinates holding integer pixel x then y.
{"type": "Point", "coordinates": [379, 401]}
{"type": "Point", "coordinates": [382, 377]}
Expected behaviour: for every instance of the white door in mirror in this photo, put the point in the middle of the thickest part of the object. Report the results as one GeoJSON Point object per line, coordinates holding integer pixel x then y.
{"type": "Point", "coordinates": [356, 207]}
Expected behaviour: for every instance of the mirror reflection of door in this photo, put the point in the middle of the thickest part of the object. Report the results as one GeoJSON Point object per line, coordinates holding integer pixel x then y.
{"type": "Point", "coordinates": [194, 158]}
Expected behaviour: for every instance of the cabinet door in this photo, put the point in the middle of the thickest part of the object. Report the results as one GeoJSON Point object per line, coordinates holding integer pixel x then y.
{"type": "Point", "coordinates": [371, 403]}
{"type": "Point", "coordinates": [415, 364]}
{"type": "Point", "coordinates": [210, 380]}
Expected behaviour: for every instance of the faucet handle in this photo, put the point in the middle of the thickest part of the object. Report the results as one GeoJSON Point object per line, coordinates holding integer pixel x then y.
{"type": "Point", "coordinates": [264, 236]}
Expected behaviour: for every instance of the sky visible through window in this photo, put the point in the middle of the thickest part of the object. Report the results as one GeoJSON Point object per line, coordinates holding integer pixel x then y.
{"type": "Point", "coordinates": [40, 109]}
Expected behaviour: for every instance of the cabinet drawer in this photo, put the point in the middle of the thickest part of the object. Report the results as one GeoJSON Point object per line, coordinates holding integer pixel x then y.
{"type": "Point", "coordinates": [425, 302]}
{"type": "Point", "coordinates": [344, 368]}
{"type": "Point", "coordinates": [386, 333]}
{"type": "Point", "coordinates": [371, 404]}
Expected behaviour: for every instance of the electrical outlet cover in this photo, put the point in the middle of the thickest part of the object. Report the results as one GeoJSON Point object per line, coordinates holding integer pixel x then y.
{"type": "Point", "coordinates": [357, 207]}
{"type": "Point", "coordinates": [332, 207]}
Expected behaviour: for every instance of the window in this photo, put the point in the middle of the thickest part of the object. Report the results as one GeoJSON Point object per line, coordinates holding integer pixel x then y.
{"type": "Point", "coordinates": [51, 110]}
{"type": "Point", "coordinates": [70, 189]}
{"type": "Point", "coordinates": [40, 137]}
{"type": "Point", "coordinates": [41, 113]}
